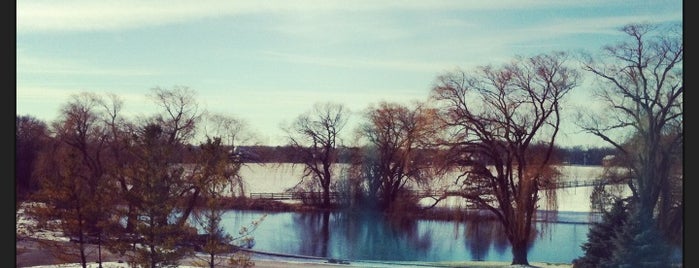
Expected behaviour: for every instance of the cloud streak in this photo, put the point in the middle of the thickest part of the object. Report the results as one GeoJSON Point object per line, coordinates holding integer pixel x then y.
{"type": "Point", "coordinates": [86, 15]}
{"type": "Point", "coordinates": [361, 63]}
{"type": "Point", "coordinates": [62, 66]}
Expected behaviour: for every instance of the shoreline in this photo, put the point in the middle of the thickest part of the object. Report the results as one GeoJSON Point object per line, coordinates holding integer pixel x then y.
{"type": "Point", "coordinates": [31, 253]}
{"type": "Point", "coordinates": [289, 264]}
{"type": "Point", "coordinates": [49, 249]}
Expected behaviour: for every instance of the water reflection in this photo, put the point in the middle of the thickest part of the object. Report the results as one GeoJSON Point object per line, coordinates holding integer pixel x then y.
{"type": "Point", "coordinates": [360, 236]}
{"type": "Point", "coordinates": [479, 235]}
{"type": "Point", "coordinates": [383, 238]}
{"type": "Point", "coordinates": [316, 228]}
{"type": "Point", "coordinates": [372, 236]}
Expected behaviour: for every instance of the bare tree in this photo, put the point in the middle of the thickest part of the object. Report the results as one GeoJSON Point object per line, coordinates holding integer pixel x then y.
{"type": "Point", "coordinates": [119, 140]}
{"type": "Point", "coordinates": [315, 135]}
{"type": "Point", "coordinates": [156, 192]}
{"type": "Point", "coordinates": [180, 112]}
{"type": "Point", "coordinates": [75, 188]}
{"type": "Point", "coordinates": [399, 138]}
{"type": "Point", "coordinates": [208, 167]}
{"type": "Point", "coordinates": [640, 82]}
{"type": "Point", "coordinates": [232, 132]}
{"type": "Point", "coordinates": [159, 190]}
{"type": "Point", "coordinates": [502, 124]}
{"type": "Point", "coordinates": [178, 121]}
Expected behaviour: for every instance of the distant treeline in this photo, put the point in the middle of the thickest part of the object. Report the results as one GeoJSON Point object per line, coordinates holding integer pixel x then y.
{"type": "Point", "coordinates": [585, 156]}
{"type": "Point", "coordinates": [287, 154]}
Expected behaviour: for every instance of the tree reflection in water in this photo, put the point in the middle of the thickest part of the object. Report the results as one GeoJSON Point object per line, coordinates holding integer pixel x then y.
{"type": "Point", "coordinates": [314, 228]}
{"type": "Point", "coordinates": [480, 234]}
{"type": "Point", "coordinates": [361, 235]}
{"type": "Point", "coordinates": [373, 236]}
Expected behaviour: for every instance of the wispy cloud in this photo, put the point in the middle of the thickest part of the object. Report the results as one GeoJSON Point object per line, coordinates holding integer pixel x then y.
{"type": "Point", "coordinates": [27, 64]}
{"type": "Point", "coordinates": [48, 94]}
{"type": "Point", "coordinates": [86, 15]}
{"type": "Point", "coordinates": [361, 63]}
{"type": "Point", "coordinates": [51, 94]}
{"type": "Point", "coordinates": [599, 25]}
{"type": "Point", "coordinates": [78, 15]}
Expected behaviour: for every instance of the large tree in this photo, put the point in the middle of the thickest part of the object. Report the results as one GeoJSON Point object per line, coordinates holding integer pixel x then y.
{"type": "Point", "coordinates": [75, 189]}
{"type": "Point", "coordinates": [214, 171]}
{"type": "Point", "coordinates": [158, 190]}
{"type": "Point", "coordinates": [502, 124]}
{"type": "Point", "coordinates": [136, 150]}
{"type": "Point", "coordinates": [120, 133]}
{"type": "Point", "coordinates": [156, 185]}
{"type": "Point", "coordinates": [212, 179]}
{"type": "Point", "coordinates": [315, 134]}
{"type": "Point", "coordinates": [640, 82]}
{"type": "Point", "coordinates": [399, 138]}
{"type": "Point", "coordinates": [177, 121]}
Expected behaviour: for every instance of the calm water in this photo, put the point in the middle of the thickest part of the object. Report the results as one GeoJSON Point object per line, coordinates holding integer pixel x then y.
{"type": "Point", "coordinates": [374, 237]}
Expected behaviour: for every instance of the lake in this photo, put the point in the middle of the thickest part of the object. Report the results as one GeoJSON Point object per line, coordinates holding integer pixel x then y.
{"type": "Point", "coordinates": [371, 236]}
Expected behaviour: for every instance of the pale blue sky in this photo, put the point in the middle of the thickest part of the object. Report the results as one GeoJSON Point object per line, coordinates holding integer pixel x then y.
{"type": "Point", "coordinates": [266, 62]}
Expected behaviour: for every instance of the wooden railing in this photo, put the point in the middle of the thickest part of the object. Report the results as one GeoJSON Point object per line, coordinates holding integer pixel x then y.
{"type": "Point", "coordinates": [293, 195]}
{"type": "Point", "coordinates": [417, 193]}
{"type": "Point", "coordinates": [272, 196]}
{"type": "Point", "coordinates": [582, 183]}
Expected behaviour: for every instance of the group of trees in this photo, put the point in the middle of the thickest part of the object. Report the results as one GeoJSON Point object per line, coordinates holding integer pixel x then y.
{"type": "Point", "coordinates": [128, 185]}
{"type": "Point", "coordinates": [495, 127]}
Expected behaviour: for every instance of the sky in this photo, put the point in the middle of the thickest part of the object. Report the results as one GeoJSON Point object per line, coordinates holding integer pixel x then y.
{"type": "Point", "coordinates": [266, 62]}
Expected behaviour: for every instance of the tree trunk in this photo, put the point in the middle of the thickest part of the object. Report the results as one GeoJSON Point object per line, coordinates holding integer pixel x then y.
{"type": "Point", "coordinates": [326, 184]}
{"type": "Point", "coordinates": [519, 252]}
{"type": "Point", "coordinates": [99, 250]}
{"type": "Point", "coordinates": [153, 262]}
{"type": "Point", "coordinates": [81, 238]}
{"type": "Point", "coordinates": [83, 258]}
{"type": "Point", "coordinates": [188, 209]}
{"type": "Point", "coordinates": [326, 195]}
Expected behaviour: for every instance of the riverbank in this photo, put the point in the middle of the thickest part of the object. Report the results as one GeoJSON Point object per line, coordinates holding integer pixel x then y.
{"type": "Point", "coordinates": [33, 250]}
{"type": "Point", "coordinates": [33, 253]}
